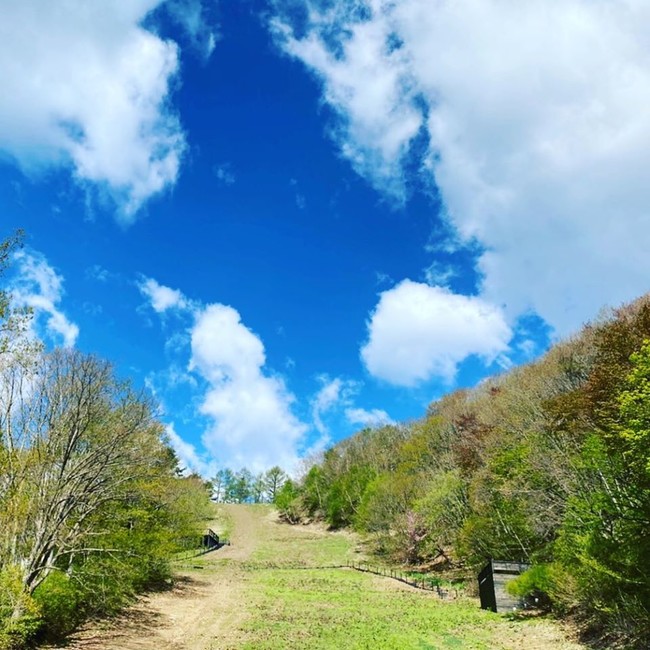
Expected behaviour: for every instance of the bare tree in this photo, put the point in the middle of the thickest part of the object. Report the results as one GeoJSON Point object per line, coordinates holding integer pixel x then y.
{"type": "Point", "coordinates": [72, 438]}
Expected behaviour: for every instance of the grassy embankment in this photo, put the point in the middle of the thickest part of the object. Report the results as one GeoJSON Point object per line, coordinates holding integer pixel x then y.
{"type": "Point", "coordinates": [327, 609]}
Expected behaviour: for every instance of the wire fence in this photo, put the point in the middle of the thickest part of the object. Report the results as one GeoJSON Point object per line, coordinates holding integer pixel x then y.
{"type": "Point", "coordinates": [424, 582]}
{"type": "Point", "coordinates": [211, 542]}
{"type": "Point", "coordinates": [196, 551]}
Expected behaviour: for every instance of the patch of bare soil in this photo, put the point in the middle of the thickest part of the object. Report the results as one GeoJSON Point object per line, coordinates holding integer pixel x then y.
{"type": "Point", "coordinates": [203, 611]}
{"type": "Point", "coordinates": [544, 635]}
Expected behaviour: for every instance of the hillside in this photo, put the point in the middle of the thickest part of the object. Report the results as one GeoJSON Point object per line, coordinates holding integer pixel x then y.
{"type": "Point", "coordinates": [267, 592]}
{"type": "Point", "coordinates": [547, 464]}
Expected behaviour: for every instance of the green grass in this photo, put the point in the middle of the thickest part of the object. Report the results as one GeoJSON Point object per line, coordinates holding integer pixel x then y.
{"type": "Point", "coordinates": [335, 608]}
{"type": "Point", "coordinates": [308, 549]}
{"type": "Point", "coordinates": [331, 609]}
{"type": "Point", "coordinates": [291, 601]}
{"type": "Point", "coordinates": [222, 522]}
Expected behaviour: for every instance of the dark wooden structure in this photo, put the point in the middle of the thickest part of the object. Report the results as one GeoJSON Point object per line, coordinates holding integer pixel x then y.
{"type": "Point", "coordinates": [492, 582]}
{"type": "Point", "coordinates": [210, 540]}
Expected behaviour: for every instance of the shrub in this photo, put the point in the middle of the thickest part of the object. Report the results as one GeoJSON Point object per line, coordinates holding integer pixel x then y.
{"type": "Point", "coordinates": [58, 601]}
{"type": "Point", "coordinates": [288, 503]}
{"type": "Point", "coordinates": [547, 586]}
{"type": "Point", "coordinates": [19, 614]}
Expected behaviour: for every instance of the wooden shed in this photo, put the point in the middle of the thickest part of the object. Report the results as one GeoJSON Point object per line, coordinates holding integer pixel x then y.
{"type": "Point", "coordinates": [492, 582]}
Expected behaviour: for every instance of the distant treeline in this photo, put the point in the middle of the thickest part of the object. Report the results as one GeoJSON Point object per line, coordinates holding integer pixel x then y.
{"type": "Point", "coordinates": [548, 464]}
{"type": "Point", "coordinates": [243, 486]}
{"type": "Point", "coordinates": [92, 503]}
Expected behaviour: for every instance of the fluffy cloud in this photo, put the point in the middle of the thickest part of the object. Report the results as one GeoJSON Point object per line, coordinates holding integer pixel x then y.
{"type": "Point", "coordinates": [368, 418]}
{"type": "Point", "coordinates": [248, 410]}
{"type": "Point", "coordinates": [418, 332]}
{"type": "Point", "coordinates": [188, 456]}
{"type": "Point", "coordinates": [539, 137]}
{"type": "Point", "coordinates": [191, 16]}
{"type": "Point", "coordinates": [38, 286]}
{"type": "Point", "coordinates": [161, 297]}
{"type": "Point", "coordinates": [252, 423]}
{"type": "Point", "coordinates": [367, 83]}
{"type": "Point", "coordinates": [85, 85]}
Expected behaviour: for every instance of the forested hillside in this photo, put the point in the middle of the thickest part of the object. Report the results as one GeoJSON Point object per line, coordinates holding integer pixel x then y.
{"type": "Point", "coordinates": [548, 463]}
{"type": "Point", "coordinates": [92, 505]}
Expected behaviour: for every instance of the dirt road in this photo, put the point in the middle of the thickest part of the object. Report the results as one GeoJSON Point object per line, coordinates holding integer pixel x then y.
{"type": "Point", "coordinates": [201, 612]}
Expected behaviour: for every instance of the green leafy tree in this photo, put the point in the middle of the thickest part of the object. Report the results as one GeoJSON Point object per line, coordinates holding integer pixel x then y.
{"type": "Point", "coordinates": [221, 484]}
{"type": "Point", "coordinates": [258, 488]}
{"type": "Point", "coordinates": [239, 489]}
{"type": "Point", "coordinates": [288, 502]}
{"type": "Point", "coordinates": [274, 479]}
{"type": "Point", "coordinates": [88, 488]}
{"type": "Point", "coordinates": [634, 408]}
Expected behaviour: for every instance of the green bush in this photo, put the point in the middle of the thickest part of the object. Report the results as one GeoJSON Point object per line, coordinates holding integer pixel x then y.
{"type": "Point", "coordinates": [58, 601]}
{"type": "Point", "coordinates": [547, 586]}
{"type": "Point", "coordinates": [288, 502]}
{"type": "Point", "coordinates": [19, 614]}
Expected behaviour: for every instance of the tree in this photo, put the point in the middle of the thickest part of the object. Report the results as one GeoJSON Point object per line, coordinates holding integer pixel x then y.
{"type": "Point", "coordinates": [13, 320]}
{"type": "Point", "coordinates": [74, 439]}
{"type": "Point", "coordinates": [239, 490]}
{"type": "Point", "coordinates": [91, 503]}
{"type": "Point", "coordinates": [221, 484]}
{"type": "Point", "coordinates": [257, 488]}
{"type": "Point", "coordinates": [287, 501]}
{"type": "Point", "coordinates": [633, 431]}
{"type": "Point", "coordinates": [273, 480]}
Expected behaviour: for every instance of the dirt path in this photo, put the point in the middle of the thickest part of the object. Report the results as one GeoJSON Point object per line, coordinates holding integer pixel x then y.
{"type": "Point", "coordinates": [202, 611]}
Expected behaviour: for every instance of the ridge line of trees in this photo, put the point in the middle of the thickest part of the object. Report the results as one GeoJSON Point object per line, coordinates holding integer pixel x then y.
{"type": "Point", "coordinates": [243, 486]}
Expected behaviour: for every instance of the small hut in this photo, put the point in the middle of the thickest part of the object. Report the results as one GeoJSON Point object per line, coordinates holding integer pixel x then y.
{"type": "Point", "coordinates": [492, 582]}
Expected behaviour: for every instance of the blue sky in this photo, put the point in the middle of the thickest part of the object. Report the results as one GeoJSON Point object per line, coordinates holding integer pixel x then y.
{"type": "Point", "coordinates": [291, 219]}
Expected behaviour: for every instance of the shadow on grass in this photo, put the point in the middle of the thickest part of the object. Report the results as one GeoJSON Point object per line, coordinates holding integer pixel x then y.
{"type": "Point", "coordinates": [137, 621]}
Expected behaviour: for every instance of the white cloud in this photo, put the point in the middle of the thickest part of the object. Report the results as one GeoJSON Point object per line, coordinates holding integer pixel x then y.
{"type": "Point", "coordinates": [418, 332]}
{"type": "Point", "coordinates": [333, 393]}
{"type": "Point", "coordinates": [86, 86]}
{"type": "Point", "coordinates": [248, 410]}
{"type": "Point", "coordinates": [440, 273]}
{"type": "Point", "coordinates": [368, 418]}
{"type": "Point", "coordinates": [191, 16]}
{"type": "Point", "coordinates": [161, 297]}
{"type": "Point", "coordinates": [252, 422]}
{"type": "Point", "coordinates": [38, 286]}
{"type": "Point", "coordinates": [539, 136]}
{"type": "Point", "coordinates": [223, 347]}
{"type": "Point", "coordinates": [367, 83]}
{"type": "Point", "coordinates": [188, 456]}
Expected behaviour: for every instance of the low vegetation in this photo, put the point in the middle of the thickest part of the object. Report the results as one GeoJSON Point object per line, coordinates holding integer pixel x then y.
{"type": "Point", "coordinates": [331, 608]}
{"type": "Point", "coordinates": [276, 587]}
{"type": "Point", "coordinates": [547, 464]}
